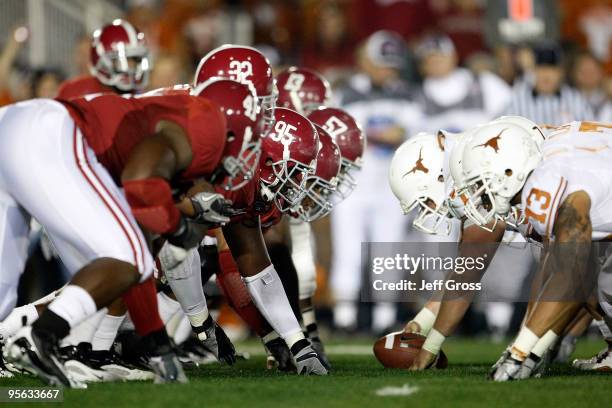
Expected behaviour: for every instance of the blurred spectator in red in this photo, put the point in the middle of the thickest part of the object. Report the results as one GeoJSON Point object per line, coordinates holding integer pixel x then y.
{"type": "Point", "coordinates": [587, 75]}
{"type": "Point", "coordinates": [589, 23]}
{"type": "Point", "coordinates": [409, 18]}
{"type": "Point", "coordinates": [454, 98]}
{"type": "Point", "coordinates": [329, 40]}
{"type": "Point", "coordinates": [145, 16]}
{"type": "Point", "coordinates": [463, 22]}
{"type": "Point", "coordinates": [168, 71]}
{"type": "Point", "coordinates": [8, 56]}
{"type": "Point", "coordinates": [277, 23]}
{"type": "Point", "coordinates": [80, 56]}
{"type": "Point", "coordinates": [45, 83]}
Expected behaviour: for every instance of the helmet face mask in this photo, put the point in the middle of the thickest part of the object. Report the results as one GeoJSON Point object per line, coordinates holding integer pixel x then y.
{"type": "Point", "coordinates": [497, 160]}
{"type": "Point", "coordinates": [244, 117]}
{"type": "Point", "coordinates": [268, 103]}
{"type": "Point", "coordinates": [321, 186]}
{"type": "Point", "coordinates": [289, 185]}
{"type": "Point", "coordinates": [289, 157]}
{"type": "Point", "coordinates": [317, 202]}
{"type": "Point", "coordinates": [349, 137]}
{"type": "Point", "coordinates": [416, 178]}
{"type": "Point", "coordinates": [431, 218]}
{"type": "Point", "coordinates": [346, 179]}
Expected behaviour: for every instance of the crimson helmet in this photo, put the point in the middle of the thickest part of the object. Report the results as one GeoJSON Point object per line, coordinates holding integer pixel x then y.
{"type": "Point", "coordinates": [321, 185]}
{"type": "Point", "coordinates": [244, 121]}
{"type": "Point", "coordinates": [302, 89]}
{"type": "Point", "coordinates": [113, 47]}
{"type": "Point", "coordinates": [245, 65]}
{"type": "Point", "coordinates": [349, 137]}
{"type": "Point", "coordinates": [288, 157]}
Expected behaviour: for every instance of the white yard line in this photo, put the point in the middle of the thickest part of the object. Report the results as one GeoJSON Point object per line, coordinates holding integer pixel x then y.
{"type": "Point", "coordinates": [402, 391]}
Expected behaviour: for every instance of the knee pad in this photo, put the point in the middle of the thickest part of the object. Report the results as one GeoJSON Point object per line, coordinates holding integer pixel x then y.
{"type": "Point", "coordinates": [188, 267]}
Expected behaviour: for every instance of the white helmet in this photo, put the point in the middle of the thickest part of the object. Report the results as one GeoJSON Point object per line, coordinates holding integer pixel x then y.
{"type": "Point", "coordinates": [530, 126]}
{"type": "Point", "coordinates": [497, 159]}
{"type": "Point", "coordinates": [416, 177]}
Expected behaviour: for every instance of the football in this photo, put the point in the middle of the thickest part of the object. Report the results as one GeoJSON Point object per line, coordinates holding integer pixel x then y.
{"type": "Point", "coordinates": [398, 350]}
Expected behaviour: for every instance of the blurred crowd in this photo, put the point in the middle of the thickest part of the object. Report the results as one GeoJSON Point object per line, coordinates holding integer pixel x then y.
{"type": "Point", "coordinates": [399, 66]}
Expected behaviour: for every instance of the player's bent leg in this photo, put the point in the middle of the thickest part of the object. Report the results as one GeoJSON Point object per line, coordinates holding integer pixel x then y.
{"type": "Point", "coordinates": [185, 280]}
{"type": "Point", "coordinates": [14, 228]}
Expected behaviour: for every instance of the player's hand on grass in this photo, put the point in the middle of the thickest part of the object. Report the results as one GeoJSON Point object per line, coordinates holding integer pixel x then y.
{"type": "Point", "coordinates": [212, 336]}
{"type": "Point", "coordinates": [423, 360]}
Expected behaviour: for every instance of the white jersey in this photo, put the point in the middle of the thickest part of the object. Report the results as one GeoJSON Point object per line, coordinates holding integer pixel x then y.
{"type": "Point", "coordinates": [577, 157]}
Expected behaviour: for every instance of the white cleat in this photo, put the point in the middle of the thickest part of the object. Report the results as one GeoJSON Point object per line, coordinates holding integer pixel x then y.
{"type": "Point", "coordinates": [601, 362]}
{"type": "Point", "coordinates": [84, 373]}
{"type": "Point", "coordinates": [167, 369]}
{"type": "Point", "coordinates": [40, 355]}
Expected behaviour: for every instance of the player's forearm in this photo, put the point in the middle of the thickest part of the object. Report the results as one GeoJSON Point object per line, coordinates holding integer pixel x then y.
{"type": "Point", "coordinates": [450, 315]}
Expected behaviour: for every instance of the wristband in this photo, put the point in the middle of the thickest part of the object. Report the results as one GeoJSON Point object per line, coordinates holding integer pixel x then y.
{"type": "Point", "coordinates": [425, 319]}
{"type": "Point", "coordinates": [523, 344]}
{"type": "Point", "coordinates": [434, 341]}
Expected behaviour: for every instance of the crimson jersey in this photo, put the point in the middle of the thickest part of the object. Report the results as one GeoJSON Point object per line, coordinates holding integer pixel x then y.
{"type": "Point", "coordinates": [244, 198]}
{"type": "Point", "coordinates": [113, 125]}
{"type": "Point", "coordinates": [83, 85]}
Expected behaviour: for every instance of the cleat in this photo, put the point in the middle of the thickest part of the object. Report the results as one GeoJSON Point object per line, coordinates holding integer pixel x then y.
{"type": "Point", "coordinates": [167, 369]}
{"type": "Point", "coordinates": [39, 353]}
{"type": "Point", "coordinates": [82, 368]}
{"type": "Point", "coordinates": [192, 351]}
{"type": "Point", "coordinates": [601, 362]}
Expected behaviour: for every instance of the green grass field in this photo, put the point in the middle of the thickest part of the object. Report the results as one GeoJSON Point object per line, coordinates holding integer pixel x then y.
{"type": "Point", "coordinates": [355, 380]}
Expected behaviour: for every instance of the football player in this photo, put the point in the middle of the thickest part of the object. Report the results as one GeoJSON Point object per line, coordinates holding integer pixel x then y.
{"type": "Point", "coordinates": [118, 61]}
{"type": "Point", "coordinates": [564, 197]}
{"type": "Point", "coordinates": [171, 140]}
{"type": "Point", "coordinates": [427, 192]}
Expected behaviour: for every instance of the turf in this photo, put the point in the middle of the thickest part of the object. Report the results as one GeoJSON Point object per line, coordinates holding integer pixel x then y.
{"type": "Point", "coordinates": [354, 383]}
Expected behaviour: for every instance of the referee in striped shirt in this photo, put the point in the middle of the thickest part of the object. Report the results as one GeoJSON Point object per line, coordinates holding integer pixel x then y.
{"type": "Point", "coordinates": [545, 98]}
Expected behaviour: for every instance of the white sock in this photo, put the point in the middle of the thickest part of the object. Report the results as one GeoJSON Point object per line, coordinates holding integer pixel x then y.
{"type": "Point", "coordinates": [545, 343]}
{"type": "Point", "coordinates": [604, 329]}
{"type": "Point", "coordinates": [18, 318]}
{"type": "Point", "coordinates": [84, 331]}
{"type": "Point", "coordinates": [269, 296]}
{"type": "Point", "coordinates": [187, 287]}
{"type": "Point", "coordinates": [73, 305]}
{"type": "Point", "coordinates": [104, 337]}
{"type": "Point", "coordinates": [308, 316]}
